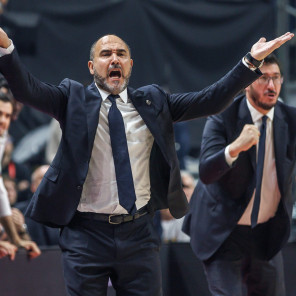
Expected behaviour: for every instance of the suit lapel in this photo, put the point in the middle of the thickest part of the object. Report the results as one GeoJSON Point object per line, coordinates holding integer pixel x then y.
{"type": "Point", "coordinates": [280, 129]}
{"type": "Point", "coordinates": [149, 112]}
{"type": "Point", "coordinates": [93, 102]}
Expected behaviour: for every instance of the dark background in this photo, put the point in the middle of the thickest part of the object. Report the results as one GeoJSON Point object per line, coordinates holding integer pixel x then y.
{"type": "Point", "coordinates": [180, 45]}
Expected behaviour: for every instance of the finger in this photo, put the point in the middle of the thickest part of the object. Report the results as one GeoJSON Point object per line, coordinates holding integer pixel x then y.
{"type": "Point", "coordinates": [262, 39]}
{"type": "Point", "coordinates": [34, 251]}
{"type": "Point", "coordinates": [284, 38]}
{"type": "Point", "coordinates": [33, 255]}
{"type": "Point", "coordinates": [12, 256]}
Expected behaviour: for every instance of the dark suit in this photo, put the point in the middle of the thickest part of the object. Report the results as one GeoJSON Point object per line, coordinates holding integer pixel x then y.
{"type": "Point", "coordinates": [223, 192]}
{"type": "Point", "coordinates": [76, 108]}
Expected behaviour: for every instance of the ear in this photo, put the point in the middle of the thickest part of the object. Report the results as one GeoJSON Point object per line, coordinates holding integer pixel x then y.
{"type": "Point", "coordinates": [91, 67]}
{"type": "Point", "coordinates": [132, 62]}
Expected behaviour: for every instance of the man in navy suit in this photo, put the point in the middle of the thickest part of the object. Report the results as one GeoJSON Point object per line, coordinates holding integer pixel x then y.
{"type": "Point", "coordinates": [82, 190]}
{"type": "Point", "coordinates": [235, 251]}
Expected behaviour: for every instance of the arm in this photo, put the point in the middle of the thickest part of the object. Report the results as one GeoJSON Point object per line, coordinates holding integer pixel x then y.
{"type": "Point", "coordinates": [31, 247]}
{"type": "Point", "coordinates": [28, 89]}
{"type": "Point", "coordinates": [218, 96]}
{"type": "Point", "coordinates": [10, 229]}
{"type": "Point", "coordinates": [19, 222]}
{"type": "Point", "coordinates": [213, 163]}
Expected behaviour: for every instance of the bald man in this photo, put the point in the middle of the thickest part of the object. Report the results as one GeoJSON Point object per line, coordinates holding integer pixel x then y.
{"type": "Point", "coordinates": [116, 163]}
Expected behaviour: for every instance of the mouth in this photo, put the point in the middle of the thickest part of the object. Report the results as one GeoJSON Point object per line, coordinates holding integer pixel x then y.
{"type": "Point", "coordinates": [115, 74]}
{"type": "Point", "coordinates": [271, 94]}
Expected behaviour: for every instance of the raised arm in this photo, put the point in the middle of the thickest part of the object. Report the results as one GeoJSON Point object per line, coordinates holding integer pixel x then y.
{"type": "Point", "coordinates": [25, 87]}
{"type": "Point", "coordinates": [219, 95]}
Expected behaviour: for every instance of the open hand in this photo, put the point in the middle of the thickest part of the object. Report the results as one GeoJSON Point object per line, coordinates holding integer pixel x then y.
{"type": "Point", "coordinates": [263, 48]}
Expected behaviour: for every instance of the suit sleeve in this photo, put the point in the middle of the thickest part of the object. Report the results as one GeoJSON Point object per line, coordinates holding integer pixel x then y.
{"type": "Point", "coordinates": [29, 90]}
{"type": "Point", "coordinates": [214, 98]}
{"type": "Point", "coordinates": [213, 163]}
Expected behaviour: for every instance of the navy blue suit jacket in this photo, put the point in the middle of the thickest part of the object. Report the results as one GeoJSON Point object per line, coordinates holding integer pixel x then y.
{"type": "Point", "coordinates": [223, 192]}
{"type": "Point", "coordinates": [77, 109]}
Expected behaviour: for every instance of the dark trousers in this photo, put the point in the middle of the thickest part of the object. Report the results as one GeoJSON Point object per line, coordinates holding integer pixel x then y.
{"type": "Point", "coordinates": [239, 266]}
{"type": "Point", "coordinates": [94, 251]}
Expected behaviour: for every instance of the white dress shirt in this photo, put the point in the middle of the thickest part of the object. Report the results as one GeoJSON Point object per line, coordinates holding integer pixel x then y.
{"type": "Point", "coordinates": [270, 194]}
{"type": "Point", "coordinates": [99, 192]}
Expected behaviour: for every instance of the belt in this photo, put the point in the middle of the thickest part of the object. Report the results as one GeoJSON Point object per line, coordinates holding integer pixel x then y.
{"type": "Point", "coordinates": [113, 218]}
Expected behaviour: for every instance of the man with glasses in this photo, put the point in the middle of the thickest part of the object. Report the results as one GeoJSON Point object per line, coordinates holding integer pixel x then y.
{"type": "Point", "coordinates": [243, 232]}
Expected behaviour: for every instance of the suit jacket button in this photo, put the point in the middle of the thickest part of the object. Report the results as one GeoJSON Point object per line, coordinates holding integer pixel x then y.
{"type": "Point", "coordinates": [79, 187]}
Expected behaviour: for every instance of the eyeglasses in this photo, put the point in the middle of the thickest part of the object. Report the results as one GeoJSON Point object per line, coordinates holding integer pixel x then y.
{"type": "Point", "coordinates": [277, 80]}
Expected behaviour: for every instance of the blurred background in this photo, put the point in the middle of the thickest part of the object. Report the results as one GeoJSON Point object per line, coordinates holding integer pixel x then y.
{"type": "Point", "coordinates": [179, 45]}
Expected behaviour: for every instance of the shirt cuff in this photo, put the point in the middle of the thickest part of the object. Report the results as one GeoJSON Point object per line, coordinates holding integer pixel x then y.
{"type": "Point", "coordinates": [244, 62]}
{"type": "Point", "coordinates": [230, 160]}
{"type": "Point", "coordinates": [8, 50]}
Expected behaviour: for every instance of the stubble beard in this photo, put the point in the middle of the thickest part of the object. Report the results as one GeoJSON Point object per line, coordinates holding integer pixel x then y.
{"type": "Point", "coordinates": [256, 99]}
{"type": "Point", "coordinates": [113, 89]}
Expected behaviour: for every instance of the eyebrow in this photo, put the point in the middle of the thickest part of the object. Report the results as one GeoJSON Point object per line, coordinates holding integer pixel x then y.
{"type": "Point", "coordinates": [110, 50]}
{"type": "Point", "coordinates": [274, 73]}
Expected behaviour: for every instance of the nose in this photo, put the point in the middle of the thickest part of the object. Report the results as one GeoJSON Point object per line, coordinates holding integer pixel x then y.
{"type": "Point", "coordinates": [2, 119]}
{"type": "Point", "coordinates": [271, 83]}
{"type": "Point", "coordinates": [114, 58]}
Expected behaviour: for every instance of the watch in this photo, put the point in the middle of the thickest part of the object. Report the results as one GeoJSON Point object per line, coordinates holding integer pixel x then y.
{"type": "Point", "coordinates": [250, 60]}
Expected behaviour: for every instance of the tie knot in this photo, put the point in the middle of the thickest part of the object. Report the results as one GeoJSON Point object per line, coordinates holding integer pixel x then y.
{"type": "Point", "coordinates": [264, 118]}
{"type": "Point", "coordinates": [112, 98]}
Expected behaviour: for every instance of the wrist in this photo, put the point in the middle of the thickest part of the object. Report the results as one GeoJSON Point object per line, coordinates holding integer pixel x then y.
{"type": "Point", "coordinates": [251, 62]}
{"type": "Point", "coordinates": [23, 229]}
{"type": "Point", "coordinates": [233, 150]}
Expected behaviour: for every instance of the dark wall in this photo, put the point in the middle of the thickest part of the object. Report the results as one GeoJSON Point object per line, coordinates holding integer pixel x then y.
{"type": "Point", "coordinates": [181, 45]}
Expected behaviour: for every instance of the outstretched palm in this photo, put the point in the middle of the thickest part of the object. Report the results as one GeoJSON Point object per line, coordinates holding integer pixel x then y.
{"type": "Point", "coordinates": [262, 48]}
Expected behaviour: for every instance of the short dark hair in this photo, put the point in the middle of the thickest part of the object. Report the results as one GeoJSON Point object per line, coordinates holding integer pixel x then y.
{"type": "Point", "coordinates": [272, 59]}
{"type": "Point", "coordinates": [6, 97]}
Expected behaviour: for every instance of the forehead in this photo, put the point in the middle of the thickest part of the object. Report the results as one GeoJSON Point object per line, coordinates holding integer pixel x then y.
{"type": "Point", "coordinates": [5, 107]}
{"type": "Point", "coordinates": [270, 69]}
{"type": "Point", "coordinates": [110, 42]}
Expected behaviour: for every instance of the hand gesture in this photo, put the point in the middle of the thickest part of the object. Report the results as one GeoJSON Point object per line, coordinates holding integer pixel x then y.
{"type": "Point", "coordinates": [262, 48]}
{"type": "Point", "coordinates": [4, 40]}
{"type": "Point", "coordinates": [32, 249]}
{"type": "Point", "coordinates": [247, 138]}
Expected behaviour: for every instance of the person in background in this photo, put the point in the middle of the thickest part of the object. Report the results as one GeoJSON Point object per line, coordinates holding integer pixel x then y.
{"type": "Point", "coordinates": [171, 227]}
{"type": "Point", "coordinates": [6, 220]}
{"type": "Point", "coordinates": [240, 211]}
{"type": "Point", "coordinates": [17, 216]}
{"type": "Point", "coordinates": [41, 234]}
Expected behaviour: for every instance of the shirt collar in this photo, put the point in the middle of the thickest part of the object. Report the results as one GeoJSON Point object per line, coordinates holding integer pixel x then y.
{"type": "Point", "coordinates": [256, 115]}
{"type": "Point", "coordinates": [104, 94]}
